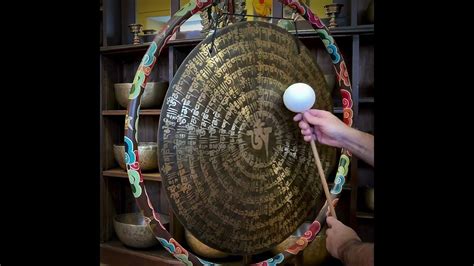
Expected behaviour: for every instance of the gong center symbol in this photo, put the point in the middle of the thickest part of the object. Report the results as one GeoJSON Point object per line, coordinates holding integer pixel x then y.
{"type": "Point", "coordinates": [258, 139]}
{"type": "Point", "coordinates": [259, 136]}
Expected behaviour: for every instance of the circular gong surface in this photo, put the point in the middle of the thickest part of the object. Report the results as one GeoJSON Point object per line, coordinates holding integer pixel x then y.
{"type": "Point", "coordinates": [234, 165]}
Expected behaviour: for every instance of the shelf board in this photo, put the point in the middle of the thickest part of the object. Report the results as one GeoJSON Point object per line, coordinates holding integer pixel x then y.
{"type": "Point", "coordinates": [346, 186]}
{"type": "Point", "coordinates": [337, 110]}
{"type": "Point", "coordinates": [119, 172]}
{"type": "Point", "coordinates": [365, 215]}
{"type": "Point", "coordinates": [339, 31]}
{"type": "Point", "coordinates": [124, 112]}
{"type": "Point", "coordinates": [124, 49]}
{"type": "Point", "coordinates": [366, 100]}
{"type": "Point", "coordinates": [115, 253]}
{"type": "Point", "coordinates": [360, 29]}
{"type": "Point", "coordinates": [194, 37]}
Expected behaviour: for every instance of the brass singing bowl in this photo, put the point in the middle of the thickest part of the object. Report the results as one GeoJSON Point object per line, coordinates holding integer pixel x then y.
{"type": "Point", "coordinates": [202, 249]}
{"type": "Point", "coordinates": [152, 96]}
{"type": "Point", "coordinates": [132, 230]}
{"type": "Point", "coordinates": [314, 254]}
{"type": "Point", "coordinates": [370, 12]}
{"type": "Point", "coordinates": [330, 81]}
{"type": "Point", "coordinates": [147, 153]}
{"type": "Point", "coordinates": [369, 198]}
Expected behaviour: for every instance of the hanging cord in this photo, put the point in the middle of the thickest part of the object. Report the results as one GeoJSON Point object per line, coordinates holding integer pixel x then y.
{"type": "Point", "coordinates": [214, 33]}
{"type": "Point", "coordinates": [296, 32]}
{"type": "Point", "coordinates": [216, 19]}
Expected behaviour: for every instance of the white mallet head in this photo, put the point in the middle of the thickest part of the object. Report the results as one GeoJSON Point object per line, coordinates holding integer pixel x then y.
{"type": "Point", "coordinates": [299, 97]}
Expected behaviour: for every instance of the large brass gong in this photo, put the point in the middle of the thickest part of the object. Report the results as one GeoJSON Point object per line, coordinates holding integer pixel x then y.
{"type": "Point", "coordinates": [234, 165]}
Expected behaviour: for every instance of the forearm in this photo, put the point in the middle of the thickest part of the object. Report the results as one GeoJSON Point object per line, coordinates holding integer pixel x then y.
{"type": "Point", "coordinates": [360, 144]}
{"type": "Point", "coordinates": [357, 253]}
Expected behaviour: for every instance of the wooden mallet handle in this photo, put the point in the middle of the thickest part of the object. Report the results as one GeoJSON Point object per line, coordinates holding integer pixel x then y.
{"type": "Point", "coordinates": [323, 178]}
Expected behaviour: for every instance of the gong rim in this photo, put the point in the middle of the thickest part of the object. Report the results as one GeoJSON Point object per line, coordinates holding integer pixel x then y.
{"type": "Point", "coordinates": [140, 81]}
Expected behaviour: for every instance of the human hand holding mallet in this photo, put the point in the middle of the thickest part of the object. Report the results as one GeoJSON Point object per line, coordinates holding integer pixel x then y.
{"type": "Point", "coordinates": [298, 98]}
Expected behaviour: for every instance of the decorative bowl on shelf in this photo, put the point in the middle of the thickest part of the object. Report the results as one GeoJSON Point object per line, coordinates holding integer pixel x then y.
{"type": "Point", "coordinates": [135, 29]}
{"type": "Point", "coordinates": [369, 198]}
{"type": "Point", "coordinates": [152, 96]}
{"type": "Point", "coordinates": [315, 253]}
{"type": "Point", "coordinates": [149, 35]}
{"type": "Point", "coordinates": [201, 249]}
{"type": "Point", "coordinates": [286, 24]}
{"type": "Point", "coordinates": [132, 230]}
{"type": "Point", "coordinates": [149, 31]}
{"type": "Point", "coordinates": [333, 11]}
{"type": "Point", "coordinates": [330, 80]}
{"type": "Point", "coordinates": [370, 12]}
{"type": "Point", "coordinates": [147, 153]}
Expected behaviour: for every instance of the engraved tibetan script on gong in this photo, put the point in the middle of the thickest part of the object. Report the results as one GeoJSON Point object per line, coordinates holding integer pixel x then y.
{"type": "Point", "coordinates": [234, 165]}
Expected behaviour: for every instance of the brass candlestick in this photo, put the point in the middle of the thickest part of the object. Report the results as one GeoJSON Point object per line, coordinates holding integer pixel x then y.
{"type": "Point", "coordinates": [333, 11]}
{"type": "Point", "coordinates": [135, 29]}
